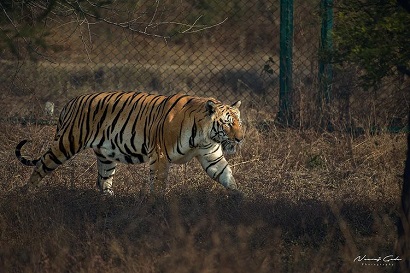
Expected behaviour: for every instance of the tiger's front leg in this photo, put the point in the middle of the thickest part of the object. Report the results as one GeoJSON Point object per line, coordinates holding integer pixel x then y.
{"type": "Point", "coordinates": [158, 173]}
{"type": "Point", "coordinates": [106, 171]}
{"type": "Point", "coordinates": [217, 167]}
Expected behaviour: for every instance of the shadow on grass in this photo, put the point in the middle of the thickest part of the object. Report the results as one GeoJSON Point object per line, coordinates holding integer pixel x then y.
{"type": "Point", "coordinates": [73, 227]}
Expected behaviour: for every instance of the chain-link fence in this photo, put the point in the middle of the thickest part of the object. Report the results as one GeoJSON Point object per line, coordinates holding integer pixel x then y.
{"type": "Point", "coordinates": [229, 50]}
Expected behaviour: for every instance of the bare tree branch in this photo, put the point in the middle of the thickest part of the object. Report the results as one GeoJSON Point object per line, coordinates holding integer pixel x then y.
{"type": "Point", "coordinates": [147, 22]}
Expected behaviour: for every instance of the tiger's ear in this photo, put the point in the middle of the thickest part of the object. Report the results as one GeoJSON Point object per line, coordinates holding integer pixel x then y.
{"type": "Point", "coordinates": [210, 107]}
{"type": "Point", "coordinates": [236, 104]}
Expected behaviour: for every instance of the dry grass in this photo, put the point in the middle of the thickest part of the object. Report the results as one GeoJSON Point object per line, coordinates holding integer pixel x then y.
{"type": "Point", "coordinates": [312, 202]}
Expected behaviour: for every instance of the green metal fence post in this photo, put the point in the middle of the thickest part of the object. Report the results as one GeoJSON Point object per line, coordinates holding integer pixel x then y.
{"type": "Point", "coordinates": [285, 115]}
{"type": "Point", "coordinates": [325, 61]}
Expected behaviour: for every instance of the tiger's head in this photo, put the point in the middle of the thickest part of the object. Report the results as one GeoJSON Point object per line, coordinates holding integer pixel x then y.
{"type": "Point", "coordinates": [227, 125]}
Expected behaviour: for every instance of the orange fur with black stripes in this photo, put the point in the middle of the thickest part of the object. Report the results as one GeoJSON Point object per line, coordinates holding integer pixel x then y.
{"type": "Point", "coordinates": [133, 127]}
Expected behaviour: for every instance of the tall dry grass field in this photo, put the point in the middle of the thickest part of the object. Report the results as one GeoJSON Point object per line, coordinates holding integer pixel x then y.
{"type": "Point", "coordinates": [312, 202]}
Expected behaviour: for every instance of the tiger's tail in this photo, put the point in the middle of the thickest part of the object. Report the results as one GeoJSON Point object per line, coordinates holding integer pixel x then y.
{"type": "Point", "coordinates": [22, 159]}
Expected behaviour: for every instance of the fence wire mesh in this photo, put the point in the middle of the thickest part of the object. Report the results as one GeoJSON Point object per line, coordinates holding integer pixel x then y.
{"type": "Point", "coordinates": [228, 50]}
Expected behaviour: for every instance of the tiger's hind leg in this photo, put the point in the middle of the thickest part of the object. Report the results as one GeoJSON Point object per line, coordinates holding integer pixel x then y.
{"type": "Point", "coordinates": [106, 171]}
{"type": "Point", "coordinates": [48, 162]}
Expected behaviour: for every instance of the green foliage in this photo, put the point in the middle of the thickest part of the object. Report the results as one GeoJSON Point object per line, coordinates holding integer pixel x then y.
{"type": "Point", "coordinates": [373, 35]}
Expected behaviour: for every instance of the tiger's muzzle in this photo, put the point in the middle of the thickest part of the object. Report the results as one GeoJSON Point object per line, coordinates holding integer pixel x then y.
{"type": "Point", "coordinates": [230, 146]}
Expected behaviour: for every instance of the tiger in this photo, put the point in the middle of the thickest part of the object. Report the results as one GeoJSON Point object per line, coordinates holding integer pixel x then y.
{"type": "Point", "coordinates": [138, 127]}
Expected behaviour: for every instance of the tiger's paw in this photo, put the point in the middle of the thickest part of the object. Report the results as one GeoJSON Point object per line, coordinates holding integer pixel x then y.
{"type": "Point", "coordinates": [234, 192]}
{"type": "Point", "coordinates": [232, 186]}
{"type": "Point", "coordinates": [108, 192]}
